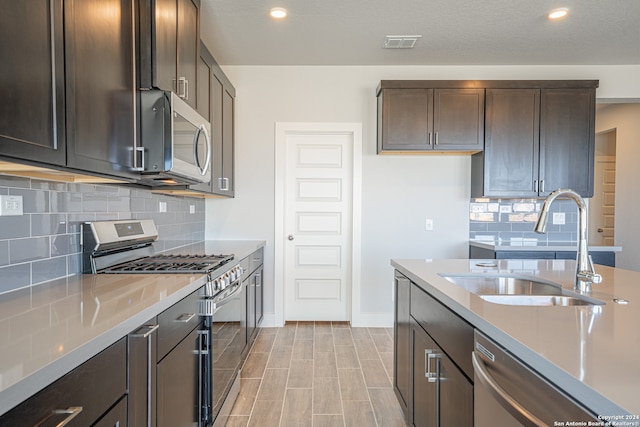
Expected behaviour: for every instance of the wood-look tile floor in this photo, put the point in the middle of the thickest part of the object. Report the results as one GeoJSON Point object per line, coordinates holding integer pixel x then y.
{"type": "Point", "coordinates": [318, 374]}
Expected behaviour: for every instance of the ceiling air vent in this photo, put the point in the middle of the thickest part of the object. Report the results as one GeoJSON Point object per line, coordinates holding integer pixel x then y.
{"type": "Point", "coordinates": [400, 42]}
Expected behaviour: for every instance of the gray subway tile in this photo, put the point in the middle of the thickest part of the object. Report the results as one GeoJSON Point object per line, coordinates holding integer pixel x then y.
{"type": "Point", "coordinates": [49, 269]}
{"type": "Point", "coordinates": [94, 202]}
{"type": "Point", "coordinates": [31, 249]}
{"type": "Point", "coordinates": [65, 244]}
{"type": "Point", "coordinates": [14, 277]}
{"type": "Point", "coordinates": [14, 182]}
{"type": "Point", "coordinates": [47, 224]}
{"type": "Point", "coordinates": [4, 252]}
{"type": "Point", "coordinates": [66, 202]}
{"type": "Point", "coordinates": [33, 201]}
{"type": "Point", "coordinates": [12, 227]}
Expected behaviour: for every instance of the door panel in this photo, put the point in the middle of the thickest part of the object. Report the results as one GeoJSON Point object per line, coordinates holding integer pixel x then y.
{"type": "Point", "coordinates": [407, 118]}
{"type": "Point", "coordinates": [101, 86]}
{"type": "Point", "coordinates": [511, 142]}
{"type": "Point", "coordinates": [32, 111]}
{"type": "Point", "coordinates": [425, 393]}
{"type": "Point", "coordinates": [317, 222]}
{"type": "Point", "coordinates": [458, 119]}
{"type": "Point", "coordinates": [567, 118]}
{"type": "Point", "coordinates": [188, 42]}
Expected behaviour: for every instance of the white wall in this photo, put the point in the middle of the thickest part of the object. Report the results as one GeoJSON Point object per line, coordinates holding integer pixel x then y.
{"type": "Point", "coordinates": [399, 192]}
{"type": "Point", "coordinates": [625, 119]}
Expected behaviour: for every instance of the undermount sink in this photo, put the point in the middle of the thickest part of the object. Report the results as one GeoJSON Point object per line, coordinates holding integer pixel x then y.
{"type": "Point", "coordinates": [535, 300]}
{"type": "Point", "coordinates": [518, 290]}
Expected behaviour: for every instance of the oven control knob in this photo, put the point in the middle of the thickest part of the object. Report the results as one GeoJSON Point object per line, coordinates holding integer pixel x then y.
{"type": "Point", "coordinates": [216, 284]}
{"type": "Point", "coordinates": [232, 275]}
{"type": "Point", "coordinates": [240, 271]}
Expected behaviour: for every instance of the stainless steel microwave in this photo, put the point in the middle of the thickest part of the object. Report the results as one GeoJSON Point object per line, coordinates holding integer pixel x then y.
{"type": "Point", "coordinates": [175, 146]}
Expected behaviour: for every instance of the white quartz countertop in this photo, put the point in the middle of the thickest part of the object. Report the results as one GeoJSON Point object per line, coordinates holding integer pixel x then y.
{"type": "Point", "coordinates": [591, 352]}
{"type": "Point", "coordinates": [534, 245]}
{"type": "Point", "coordinates": [49, 329]}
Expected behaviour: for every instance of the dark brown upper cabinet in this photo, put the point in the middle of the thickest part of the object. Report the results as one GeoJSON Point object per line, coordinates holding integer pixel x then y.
{"type": "Point", "coordinates": [216, 102]}
{"type": "Point", "coordinates": [536, 141]}
{"type": "Point", "coordinates": [429, 119]}
{"type": "Point", "coordinates": [169, 46]}
{"type": "Point", "coordinates": [32, 112]}
{"type": "Point", "coordinates": [69, 86]}
{"type": "Point", "coordinates": [100, 85]}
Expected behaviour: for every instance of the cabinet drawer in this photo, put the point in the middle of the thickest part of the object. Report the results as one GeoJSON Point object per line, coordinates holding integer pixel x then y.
{"type": "Point", "coordinates": [452, 333]}
{"type": "Point", "coordinates": [176, 322]}
{"type": "Point", "coordinates": [93, 386]}
{"type": "Point", "coordinates": [116, 417]}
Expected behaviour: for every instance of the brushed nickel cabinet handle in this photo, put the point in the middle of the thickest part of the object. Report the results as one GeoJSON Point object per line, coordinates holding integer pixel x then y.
{"type": "Point", "coordinates": [186, 317]}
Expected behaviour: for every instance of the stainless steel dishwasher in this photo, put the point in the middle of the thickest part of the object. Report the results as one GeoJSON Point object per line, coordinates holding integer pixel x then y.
{"type": "Point", "coordinates": [508, 393]}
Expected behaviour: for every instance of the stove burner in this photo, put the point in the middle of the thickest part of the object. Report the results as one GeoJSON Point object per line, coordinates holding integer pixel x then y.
{"type": "Point", "coordinates": [172, 264]}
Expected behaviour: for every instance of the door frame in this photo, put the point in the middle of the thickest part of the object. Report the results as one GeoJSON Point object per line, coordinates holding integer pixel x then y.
{"type": "Point", "coordinates": [282, 130]}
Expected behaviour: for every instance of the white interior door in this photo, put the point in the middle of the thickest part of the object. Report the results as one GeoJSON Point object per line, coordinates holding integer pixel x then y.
{"type": "Point", "coordinates": [318, 216]}
{"type": "Point", "coordinates": [603, 204]}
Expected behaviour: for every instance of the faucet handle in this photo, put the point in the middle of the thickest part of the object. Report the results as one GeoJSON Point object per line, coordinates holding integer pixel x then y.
{"type": "Point", "coordinates": [591, 274]}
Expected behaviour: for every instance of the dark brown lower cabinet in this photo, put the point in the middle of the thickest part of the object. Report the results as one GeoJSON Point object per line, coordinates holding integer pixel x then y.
{"type": "Point", "coordinates": [433, 375]}
{"type": "Point", "coordinates": [442, 395]}
{"type": "Point", "coordinates": [83, 397]}
{"type": "Point", "coordinates": [402, 343]}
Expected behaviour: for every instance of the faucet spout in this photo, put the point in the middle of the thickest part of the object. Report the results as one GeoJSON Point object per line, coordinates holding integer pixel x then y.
{"type": "Point", "coordinates": [585, 272]}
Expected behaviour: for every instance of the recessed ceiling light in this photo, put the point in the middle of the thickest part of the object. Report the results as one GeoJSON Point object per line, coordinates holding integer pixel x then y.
{"type": "Point", "coordinates": [278, 12]}
{"type": "Point", "coordinates": [557, 14]}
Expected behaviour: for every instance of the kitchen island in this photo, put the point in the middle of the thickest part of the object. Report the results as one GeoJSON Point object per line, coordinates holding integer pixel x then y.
{"type": "Point", "coordinates": [590, 352]}
{"type": "Point", "coordinates": [47, 330]}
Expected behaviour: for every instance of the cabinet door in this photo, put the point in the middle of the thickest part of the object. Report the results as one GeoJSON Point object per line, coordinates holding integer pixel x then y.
{"type": "Point", "coordinates": [188, 41]}
{"type": "Point", "coordinates": [458, 119]}
{"type": "Point", "coordinates": [227, 142]}
{"type": "Point", "coordinates": [101, 86]}
{"type": "Point", "coordinates": [251, 306]}
{"type": "Point", "coordinates": [259, 297]}
{"type": "Point", "coordinates": [511, 148]}
{"type": "Point", "coordinates": [455, 395]}
{"type": "Point", "coordinates": [32, 111]}
{"type": "Point", "coordinates": [567, 140]}
{"type": "Point", "coordinates": [425, 372]}
{"type": "Point", "coordinates": [204, 108]}
{"type": "Point", "coordinates": [179, 391]}
{"type": "Point", "coordinates": [402, 343]}
{"type": "Point", "coordinates": [161, 52]}
{"type": "Point", "coordinates": [217, 91]}
{"type": "Point", "coordinates": [406, 119]}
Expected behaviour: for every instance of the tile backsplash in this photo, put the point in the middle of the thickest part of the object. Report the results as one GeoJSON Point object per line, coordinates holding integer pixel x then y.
{"type": "Point", "coordinates": [44, 243]}
{"type": "Point", "coordinates": [515, 219]}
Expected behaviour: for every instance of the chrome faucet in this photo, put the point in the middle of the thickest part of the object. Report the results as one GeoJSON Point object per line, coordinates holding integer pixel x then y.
{"type": "Point", "coordinates": [585, 272]}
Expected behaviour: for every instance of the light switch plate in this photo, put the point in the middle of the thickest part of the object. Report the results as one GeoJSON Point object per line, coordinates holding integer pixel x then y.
{"type": "Point", "coordinates": [11, 205]}
{"type": "Point", "coordinates": [428, 224]}
{"type": "Point", "coordinates": [162, 206]}
{"type": "Point", "coordinates": [192, 209]}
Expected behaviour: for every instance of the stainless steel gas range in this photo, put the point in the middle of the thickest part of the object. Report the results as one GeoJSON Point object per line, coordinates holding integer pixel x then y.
{"type": "Point", "coordinates": [125, 247]}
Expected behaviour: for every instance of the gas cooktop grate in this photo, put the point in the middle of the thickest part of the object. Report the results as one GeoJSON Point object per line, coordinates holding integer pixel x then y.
{"type": "Point", "coordinates": [171, 264]}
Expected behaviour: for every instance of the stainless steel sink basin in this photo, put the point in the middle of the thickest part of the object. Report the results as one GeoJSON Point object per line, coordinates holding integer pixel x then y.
{"type": "Point", "coordinates": [535, 300]}
{"type": "Point", "coordinates": [518, 290]}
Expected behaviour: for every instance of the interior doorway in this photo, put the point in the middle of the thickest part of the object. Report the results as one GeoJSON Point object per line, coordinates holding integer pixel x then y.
{"type": "Point", "coordinates": [602, 206]}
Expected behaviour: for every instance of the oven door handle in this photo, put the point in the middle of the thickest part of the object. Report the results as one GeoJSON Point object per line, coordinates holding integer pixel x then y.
{"type": "Point", "coordinates": [505, 400]}
{"type": "Point", "coordinates": [228, 298]}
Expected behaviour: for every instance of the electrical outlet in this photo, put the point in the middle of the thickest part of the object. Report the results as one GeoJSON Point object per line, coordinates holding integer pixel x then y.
{"type": "Point", "coordinates": [428, 224]}
{"type": "Point", "coordinates": [162, 207]}
{"type": "Point", "coordinates": [558, 218]}
{"type": "Point", "coordinates": [192, 209]}
{"type": "Point", "coordinates": [11, 205]}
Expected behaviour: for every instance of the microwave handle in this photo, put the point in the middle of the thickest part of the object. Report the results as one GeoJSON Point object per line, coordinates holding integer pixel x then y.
{"type": "Point", "coordinates": [205, 168]}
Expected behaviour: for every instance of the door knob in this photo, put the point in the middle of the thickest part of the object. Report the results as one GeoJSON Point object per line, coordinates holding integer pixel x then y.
{"type": "Point", "coordinates": [290, 237]}
{"type": "Point", "coordinates": [600, 230]}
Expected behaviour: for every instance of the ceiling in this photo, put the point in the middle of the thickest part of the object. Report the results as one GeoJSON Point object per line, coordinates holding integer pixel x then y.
{"type": "Point", "coordinates": [454, 32]}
